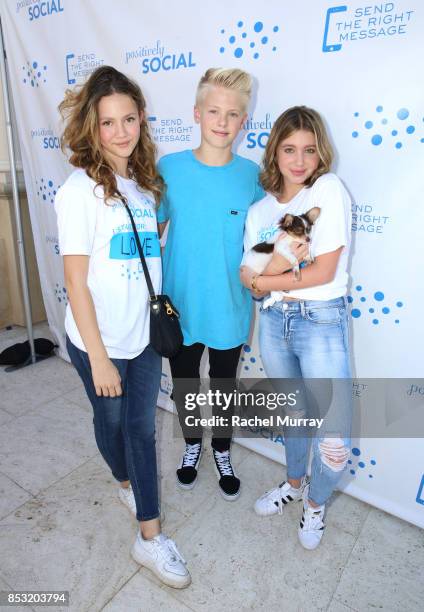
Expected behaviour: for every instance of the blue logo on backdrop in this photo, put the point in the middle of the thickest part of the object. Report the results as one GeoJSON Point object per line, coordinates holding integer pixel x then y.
{"type": "Point", "coordinates": [40, 8]}
{"type": "Point", "coordinates": [251, 40]}
{"type": "Point", "coordinates": [46, 138]}
{"type": "Point", "coordinates": [374, 307]}
{"type": "Point", "coordinates": [170, 129]}
{"type": "Point", "coordinates": [344, 24]}
{"type": "Point", "coordinates": [166, 384]}
{"type": "Point", "coordinates": [257, 131]}
{"type": "Point", "coordinates": [365, 219]}
{"type": "Point", "coordinates": [416, 389]}
{"type": "Point", "coordinates": [46, 190]}
{"type": "Point", "coordinates": [157, 58]}
{"type": "Point", "coordinates": [34, 73]}
{"type": "Point", "coordinates": [394, 129]}
{"type": "Point", "coordinates": [420, 494]}
{"type": "Point", "coordinates": [81, 66]}
{"type": "Point", "coordinates": [53, 242]}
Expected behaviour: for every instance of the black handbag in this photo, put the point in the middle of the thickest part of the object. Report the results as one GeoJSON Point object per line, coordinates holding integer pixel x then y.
{"type": "Point", "coordinates": [166, 336]}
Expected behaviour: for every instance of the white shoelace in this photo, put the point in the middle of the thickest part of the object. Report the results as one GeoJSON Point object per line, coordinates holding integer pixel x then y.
{"type": "Point", "coordinates": [223, 461]}
{"type": "Point", "coordinates": [312, 518]}
{"type": "Point", "coordinates": [169, 550]}
{"type": "Point", "coordinates": [191, 454]}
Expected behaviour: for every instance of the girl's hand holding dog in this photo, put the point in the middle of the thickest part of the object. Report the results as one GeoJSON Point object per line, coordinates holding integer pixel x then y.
{"type": "Point", "coordinates": [279, 264]}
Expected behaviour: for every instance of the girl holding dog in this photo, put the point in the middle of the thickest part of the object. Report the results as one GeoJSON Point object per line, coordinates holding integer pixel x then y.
{"type": "Point", "coordinates": [305, 335]}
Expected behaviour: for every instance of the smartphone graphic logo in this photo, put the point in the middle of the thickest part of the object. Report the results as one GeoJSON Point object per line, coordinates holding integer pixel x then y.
{"type": "Point", "coordinates": [420, 494]}
{"type": "Point", "coordinates": [71, 81]}
{"type": "Point", "coordinates": [336, 46]}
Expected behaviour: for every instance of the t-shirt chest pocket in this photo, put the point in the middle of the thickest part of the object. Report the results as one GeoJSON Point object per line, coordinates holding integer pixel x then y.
{"type": "Point", "coordinates": [234, 225]}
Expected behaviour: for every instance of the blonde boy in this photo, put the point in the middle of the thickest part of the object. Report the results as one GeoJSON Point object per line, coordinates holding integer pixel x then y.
{"type": "Point", "coordinates": [209, 190]}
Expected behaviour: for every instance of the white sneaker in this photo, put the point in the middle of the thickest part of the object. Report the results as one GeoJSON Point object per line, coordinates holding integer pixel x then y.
{"type": "Point", "coordinates": [126, 495]}
{"type": "Point", "coordinates": [273, 501]}
{"type": "Point", "coordinates": [161, 556]}
{"type": "Point", "coordinates": [312, 524]}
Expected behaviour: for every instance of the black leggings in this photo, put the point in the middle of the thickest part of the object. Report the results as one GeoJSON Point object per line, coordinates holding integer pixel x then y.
{"type": "Point", "coordinates": [222, 365]}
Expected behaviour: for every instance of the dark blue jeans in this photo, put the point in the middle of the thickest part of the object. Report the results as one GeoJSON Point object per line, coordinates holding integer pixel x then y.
{"type": "Point", "coordinates": [125, 426]}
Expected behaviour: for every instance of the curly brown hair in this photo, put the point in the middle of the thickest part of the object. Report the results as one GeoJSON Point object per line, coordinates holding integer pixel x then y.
{"type": "Point", "coordinates": [79, 110]}
{"type": "Point", "coordinates": [294, 119]}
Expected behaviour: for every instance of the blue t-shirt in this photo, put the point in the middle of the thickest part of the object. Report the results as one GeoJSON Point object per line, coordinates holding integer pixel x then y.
{"type": "Point", "coordinates": [207, 208]}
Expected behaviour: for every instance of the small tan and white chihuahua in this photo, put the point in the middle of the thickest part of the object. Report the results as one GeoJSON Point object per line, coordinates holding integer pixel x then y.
{"type": "Point", "coordinates": [294, 228]}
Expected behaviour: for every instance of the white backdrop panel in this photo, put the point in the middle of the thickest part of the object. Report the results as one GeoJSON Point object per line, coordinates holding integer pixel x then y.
{"type": "Point", "coordinates": [355, 63]}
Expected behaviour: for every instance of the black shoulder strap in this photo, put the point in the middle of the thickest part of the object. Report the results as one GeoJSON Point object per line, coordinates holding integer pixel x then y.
{"type": "Point", "coordinates": [141, 254]}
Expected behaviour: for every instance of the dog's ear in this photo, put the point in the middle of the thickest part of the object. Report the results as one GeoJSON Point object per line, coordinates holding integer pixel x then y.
{"type": "Point", "coordinates": [313, 214]}
{"type": "Point", "coordinates": [286, 222]}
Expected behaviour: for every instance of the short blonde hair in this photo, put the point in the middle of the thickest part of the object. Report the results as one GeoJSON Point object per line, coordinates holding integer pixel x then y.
{"type": "Point", "coordinates": [230, 78]}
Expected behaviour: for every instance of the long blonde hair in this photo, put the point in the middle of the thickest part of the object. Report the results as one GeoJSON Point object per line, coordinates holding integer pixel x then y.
{"type": "Point", "coordinates": [79, 109]}
{"type": "Point", "coordinates": [294, 119]}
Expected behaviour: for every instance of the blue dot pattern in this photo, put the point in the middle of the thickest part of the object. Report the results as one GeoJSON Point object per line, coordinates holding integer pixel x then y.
{"type": "Point", "coordinates": [358, 301]}
{"type": "Point", "coordinates": [250, 362]}
{"type": "Point", "coordinates": [60, 294]}
{"type": "Point", "coordinates": [34, 74]}
{"type": "Point", "coordinates": [362, 463]}
{"type": "Point", "coordinates": [378, 139]}
{"type": "Point", "coordinates": [46, 189]}
{"type": "Point", "coordinates": [239, 43]}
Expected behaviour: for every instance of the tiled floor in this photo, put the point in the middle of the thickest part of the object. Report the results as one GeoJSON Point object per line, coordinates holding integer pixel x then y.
{"type": "Point", "coordinates": [62, 526]}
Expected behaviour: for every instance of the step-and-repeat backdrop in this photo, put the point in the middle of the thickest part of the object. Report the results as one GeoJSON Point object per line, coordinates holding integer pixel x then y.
{"type": "Point", "coordinates": [357, 63]}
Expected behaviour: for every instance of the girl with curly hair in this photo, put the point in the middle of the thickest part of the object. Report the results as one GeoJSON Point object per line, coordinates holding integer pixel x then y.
{"type": "Point", "coordinates": [107, 318]}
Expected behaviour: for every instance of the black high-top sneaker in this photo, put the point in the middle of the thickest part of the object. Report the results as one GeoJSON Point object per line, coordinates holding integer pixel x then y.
{"type": "Point", "coordinates": [229, 484]}
{"type": "Point", "coordinates": [187, 471]}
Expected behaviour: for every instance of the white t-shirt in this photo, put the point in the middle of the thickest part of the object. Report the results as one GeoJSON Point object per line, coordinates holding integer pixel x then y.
{"type": "Point", "coordinates": [331, 230]}
{"type": "Point", "coordinates": [88, 226]}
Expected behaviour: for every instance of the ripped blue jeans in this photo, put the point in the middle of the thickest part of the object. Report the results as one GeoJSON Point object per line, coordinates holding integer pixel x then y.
{"type": "Point", "coordinates": [310, 340]}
